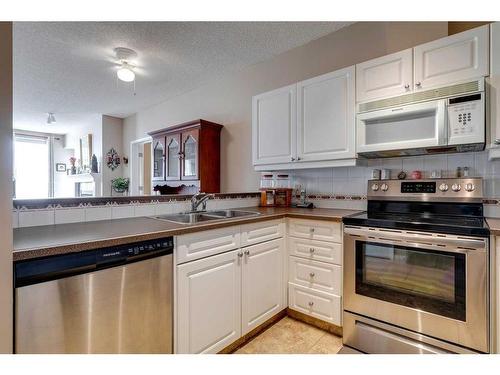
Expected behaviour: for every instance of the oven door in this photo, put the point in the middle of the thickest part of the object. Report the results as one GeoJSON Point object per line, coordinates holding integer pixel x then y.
{"type": "Point", "coordinates": [412, 126]}
{"type": "Point", "coordinates": [433, 284]}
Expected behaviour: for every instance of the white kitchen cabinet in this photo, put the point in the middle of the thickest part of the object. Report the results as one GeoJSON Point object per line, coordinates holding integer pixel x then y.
{"type": "Point", "coordinates": [386, 76]}
{"type": "Point", "coordinates": [452, 59]}
{"type": "Point", "coordinates": [209, 303]}
{"type": "Point", "coordinates": [274, 116]}
{"type": "Point", "coordinates": [493, 84]}
{"type": "Point", "coordinates": [202, 244]}
{"type": "Point", "coordinates": [262, 283]}
{"type": "Point", "coordinates": [309, 124]}
{"type": "Point", "coordinates": [316, 275]}
{"type": "Point", "coordinates": [321, 230]}
{"type": "Point", "coordinates": [324, 306]}
{"type": "Point", "coordinates": [254, 233]}
{"type": "Point", "coordinates": [325, 117]}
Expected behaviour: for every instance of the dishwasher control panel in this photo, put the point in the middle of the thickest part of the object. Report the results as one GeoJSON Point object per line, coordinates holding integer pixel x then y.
{"type": "Point", "coordinates": [37, 270]}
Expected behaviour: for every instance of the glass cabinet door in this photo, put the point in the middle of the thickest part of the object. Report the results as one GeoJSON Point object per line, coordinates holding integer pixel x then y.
{"type": "Point", "coordinates": [190, 155]}
{"type": "Point", "coordinates": [173, 156]}
{"type": "Point", "coordinates": [159, 159]}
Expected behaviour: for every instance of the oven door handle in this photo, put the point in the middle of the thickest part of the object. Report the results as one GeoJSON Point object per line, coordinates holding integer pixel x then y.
{"type": "Point", "coordinates": [443, 243]}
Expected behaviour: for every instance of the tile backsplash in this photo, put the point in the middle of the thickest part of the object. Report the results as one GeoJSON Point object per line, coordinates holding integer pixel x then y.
{"type": "Point", "coordinates": [352, 181]}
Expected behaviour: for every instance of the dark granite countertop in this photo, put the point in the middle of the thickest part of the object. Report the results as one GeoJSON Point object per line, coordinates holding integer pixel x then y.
{"type": "Point", "coordinates": [34, 242]}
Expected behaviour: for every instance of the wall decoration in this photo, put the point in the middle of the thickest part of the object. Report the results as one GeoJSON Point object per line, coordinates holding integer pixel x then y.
{"type": "Point", "coordinates": [60, 167]}
{"type": "Point", "coordinates": [112, 159]}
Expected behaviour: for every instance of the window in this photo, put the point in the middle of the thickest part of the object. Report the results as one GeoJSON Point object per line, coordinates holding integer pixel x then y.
{"type": "Point", "coordinates": [31, 166]}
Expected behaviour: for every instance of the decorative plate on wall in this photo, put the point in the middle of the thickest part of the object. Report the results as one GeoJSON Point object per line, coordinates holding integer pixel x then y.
{"type": "Point", "coordinates": [112, 159]}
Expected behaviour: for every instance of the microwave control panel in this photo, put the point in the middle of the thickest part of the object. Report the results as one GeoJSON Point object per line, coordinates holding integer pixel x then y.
{"type": "Point", "coordinates": [465, 115]}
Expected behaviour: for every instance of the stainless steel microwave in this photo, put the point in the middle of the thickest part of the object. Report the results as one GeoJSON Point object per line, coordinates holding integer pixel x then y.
{"type": "Point", "coordinates": [447, 119]}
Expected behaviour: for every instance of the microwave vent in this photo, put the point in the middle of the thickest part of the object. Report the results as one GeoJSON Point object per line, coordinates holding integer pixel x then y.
{"type": "Point", "coordinates": [422, 96]}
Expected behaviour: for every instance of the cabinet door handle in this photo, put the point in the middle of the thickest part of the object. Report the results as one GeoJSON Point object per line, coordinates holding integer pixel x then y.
{"type": "Point", "coordinates": [293, 159]}
{"type": "Point", "coordinates": [299, 158]}
{"type": "Point", "coordinates": [247, 252]}
{"type": "Point", "coordinates": [407, 86]}
{"type": "Point", "coordinates": [418, 84]}
{"type": "Point", "coordinates": [311, 250]}
{"type": "Point", "coordinates": [311, 303]}
{"type": "Point", "coordinates": [311, 230]}
{"type": "Point", "coordinates": [312, 274]}
{"type": "Point", "coordinates": [240, 255]}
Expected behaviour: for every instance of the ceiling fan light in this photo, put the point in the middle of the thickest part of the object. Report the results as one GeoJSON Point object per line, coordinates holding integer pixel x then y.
{"type": "Point", "coordinates": [125, 73]}
{"type": "Point", "coordinates": [51, 118]}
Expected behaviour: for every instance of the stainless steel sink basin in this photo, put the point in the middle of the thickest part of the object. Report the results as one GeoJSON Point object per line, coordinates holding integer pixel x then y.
{"type": "Point", "coordinates": [232, 213]}
{"type": "Point", "coordinates": [198, 217]}
{"type": "Point", "coordinates": [188, 218]}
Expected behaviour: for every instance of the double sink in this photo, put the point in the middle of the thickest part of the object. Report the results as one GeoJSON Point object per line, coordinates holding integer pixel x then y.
{"type": "Point", "coordinates": [203, 216]}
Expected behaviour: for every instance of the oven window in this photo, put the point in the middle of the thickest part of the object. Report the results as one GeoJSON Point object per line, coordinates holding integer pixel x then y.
{"type": "Point", "coordinates": [432, 281]}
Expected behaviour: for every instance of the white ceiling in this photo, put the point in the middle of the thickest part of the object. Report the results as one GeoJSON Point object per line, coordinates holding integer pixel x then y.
{"type": "Point", "coordinates": [69, 67]}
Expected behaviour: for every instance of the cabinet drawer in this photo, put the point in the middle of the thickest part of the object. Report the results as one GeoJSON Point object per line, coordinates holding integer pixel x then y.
{"type": "Point", "coordinates": [202, 244]}
{"type": "Point", "coordinates": [317, 275]}
{"type": "Point", "coordinates": [324, 306]}
{"type": "Point", "coordinates": [315, 250]}
{"type": "Point", "coordinates": [261, 231]}
{"type": "Point", "coordinates": [315, 229]}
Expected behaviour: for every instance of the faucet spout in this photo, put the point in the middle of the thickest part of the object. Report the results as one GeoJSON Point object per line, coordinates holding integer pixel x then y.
{"type": "Point", "coordinates": [200, 199]}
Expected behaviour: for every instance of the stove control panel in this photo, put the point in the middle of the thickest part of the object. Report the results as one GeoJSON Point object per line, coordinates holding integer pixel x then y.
{"type": "Point", "coordinates": [427, 190]}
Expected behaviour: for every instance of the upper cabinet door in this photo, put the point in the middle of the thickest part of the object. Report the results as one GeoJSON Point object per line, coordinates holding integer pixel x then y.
{"type": "Point", "coordinates": [452, 59]}
{"type": "Point", "coordinates": [326, 110]}
{"type": "Point", "coordinates": [385, 76]}
{"type": "Point", "coordinates": [159, 158]}
{"type": "Point", "coordinates": [190, 152]}
{"type": "Point", "coordinates": [173, 157]}
{"type": "Point", "coordinates": [274, 126]}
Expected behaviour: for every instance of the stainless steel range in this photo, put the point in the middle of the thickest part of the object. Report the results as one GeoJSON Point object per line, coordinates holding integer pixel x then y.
{"type": "Point", "coordinates": [416, 269]}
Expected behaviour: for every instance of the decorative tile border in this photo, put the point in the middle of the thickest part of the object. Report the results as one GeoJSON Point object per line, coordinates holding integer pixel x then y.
{"type": "Point", "coordinates": [33, 204]}
{"type": "Point", "coordinates": [338, 197]}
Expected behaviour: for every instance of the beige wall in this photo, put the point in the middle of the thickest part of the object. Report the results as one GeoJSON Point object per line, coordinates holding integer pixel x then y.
{"type": "Point", "coordinates": [112, 136]}
{"type": "Point", "coordinates": [228, 100]}
{"type": "Point", "coordinates": [6, 320]}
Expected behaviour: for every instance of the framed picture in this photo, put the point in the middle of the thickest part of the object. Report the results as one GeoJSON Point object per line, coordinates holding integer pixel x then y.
{"type": "Point", "coordinates": [60, 167]}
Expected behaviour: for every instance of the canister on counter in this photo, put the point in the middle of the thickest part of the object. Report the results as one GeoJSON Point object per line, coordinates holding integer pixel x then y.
{"type": "Point", "coordinates": [376, 174]}
{"type": "Point", "coordinates": [386, 174]}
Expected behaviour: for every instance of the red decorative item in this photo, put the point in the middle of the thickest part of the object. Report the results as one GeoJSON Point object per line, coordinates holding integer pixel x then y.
{"type": "Point", "coordinates": [416, 175]}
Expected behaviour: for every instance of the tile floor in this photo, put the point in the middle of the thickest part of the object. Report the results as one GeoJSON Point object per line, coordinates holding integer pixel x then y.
{"type": "Point", "coordinates": [290, 336]}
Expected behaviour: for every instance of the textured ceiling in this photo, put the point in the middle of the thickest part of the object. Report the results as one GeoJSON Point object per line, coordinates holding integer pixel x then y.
{"type": "Point", "coordinates": [69, 67]}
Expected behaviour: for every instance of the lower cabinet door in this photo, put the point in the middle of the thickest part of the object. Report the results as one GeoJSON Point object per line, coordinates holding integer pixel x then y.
{"type": "Point", "coordinates": [209, 303]}
{"type": "Point", "coordinates": [262, 283]}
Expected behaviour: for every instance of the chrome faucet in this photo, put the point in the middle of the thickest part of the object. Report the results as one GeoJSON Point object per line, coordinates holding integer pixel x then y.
{"type": "Point", "coordinates": [200, 198]}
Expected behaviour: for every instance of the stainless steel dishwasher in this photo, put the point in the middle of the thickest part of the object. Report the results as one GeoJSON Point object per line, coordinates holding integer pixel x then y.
{"type": "Point", "coordinates": [111, 300]}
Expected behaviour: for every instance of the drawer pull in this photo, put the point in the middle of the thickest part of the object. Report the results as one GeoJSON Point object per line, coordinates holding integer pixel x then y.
{"type": "Point", "coordinates": [311, 250]}
{"type": "Point", "coordinates": [311, 274]}
{"type": "Point", "coordinates": [311, 303]}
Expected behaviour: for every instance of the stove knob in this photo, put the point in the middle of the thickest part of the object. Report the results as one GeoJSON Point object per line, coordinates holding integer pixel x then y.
{"type": "Point", "coordinates": [443, 187]}
{"type": "Point", "coordinates": [375, 187]}
{"type": "Point", "coordinates": [456, 187]}
{"type": "Point", "coordinates": [384, 187]}
{"type": "Point", "coordinates": [469, 187]}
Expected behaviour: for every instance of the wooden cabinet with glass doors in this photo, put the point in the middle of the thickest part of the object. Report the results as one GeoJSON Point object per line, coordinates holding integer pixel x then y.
{"type": "Point", "coordinates": [188, 153]}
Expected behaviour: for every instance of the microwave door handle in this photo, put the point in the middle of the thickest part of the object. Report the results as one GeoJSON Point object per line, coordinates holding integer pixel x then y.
{"type": "Point", "coordinates": [442, 123]}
